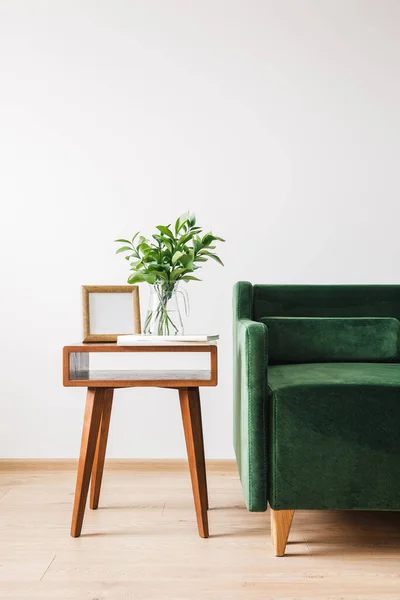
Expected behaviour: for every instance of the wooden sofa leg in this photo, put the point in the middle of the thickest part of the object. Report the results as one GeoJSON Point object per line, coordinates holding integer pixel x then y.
{"type": "Point", "coordinates": [281, 521]}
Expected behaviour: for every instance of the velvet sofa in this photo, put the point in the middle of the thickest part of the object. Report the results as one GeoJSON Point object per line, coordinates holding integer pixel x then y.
{"type": "Point", "coordinates": [317, 398]}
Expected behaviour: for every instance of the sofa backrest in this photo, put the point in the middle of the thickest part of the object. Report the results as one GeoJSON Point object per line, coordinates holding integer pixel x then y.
{"type": "Point", "coordinates": [325, 323]}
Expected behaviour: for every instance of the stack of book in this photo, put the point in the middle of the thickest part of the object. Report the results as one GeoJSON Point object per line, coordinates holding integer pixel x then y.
{"type": "Point", "coordinates": [160, 340]}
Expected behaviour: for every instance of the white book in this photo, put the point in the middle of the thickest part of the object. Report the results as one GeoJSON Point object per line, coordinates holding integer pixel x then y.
{"type": "Point", "coordinates": [137, 339]}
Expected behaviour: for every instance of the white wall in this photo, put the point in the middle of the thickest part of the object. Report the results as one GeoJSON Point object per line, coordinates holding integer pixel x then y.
{"type": "Point", "coordinates": [277, 121]}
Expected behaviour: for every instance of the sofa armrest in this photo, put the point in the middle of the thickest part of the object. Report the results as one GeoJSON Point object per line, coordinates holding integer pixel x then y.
{"type": "Point", "coordinates": [250, 405]}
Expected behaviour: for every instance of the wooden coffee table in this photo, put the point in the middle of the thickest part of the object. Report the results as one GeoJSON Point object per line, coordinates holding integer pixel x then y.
{"type": "Point", "coordinates": [100, 386]}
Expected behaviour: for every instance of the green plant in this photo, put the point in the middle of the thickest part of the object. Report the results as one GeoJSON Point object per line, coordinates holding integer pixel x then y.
{"type": "Point", "coordinates": [172, 255]}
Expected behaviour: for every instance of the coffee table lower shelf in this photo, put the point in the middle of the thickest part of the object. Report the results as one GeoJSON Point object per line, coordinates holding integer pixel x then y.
{"type": "Point", "coordinates": [129, 378]}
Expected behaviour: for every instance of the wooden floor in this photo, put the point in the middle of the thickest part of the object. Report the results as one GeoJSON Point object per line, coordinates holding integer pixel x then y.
{"type": "Point", "coordinates": [142, 543]}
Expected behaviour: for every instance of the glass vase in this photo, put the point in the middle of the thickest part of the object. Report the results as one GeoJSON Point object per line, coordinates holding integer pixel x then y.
{"type": "Point", "coordinates": [163, 315]}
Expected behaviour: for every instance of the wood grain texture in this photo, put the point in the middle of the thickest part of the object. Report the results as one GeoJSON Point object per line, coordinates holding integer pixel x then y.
{"type": "Point", "coordinates": [201, 465]}
{"type": "Point", "coordinates": [76, 372]}
{"type": "Point", "coordinates": [90, 431]}
{"type": "Point", "coordinates": [101, 447]}
{"type": "Point", "coordinates": [93, 449]}
{"type": "Point", "coordinates": [114, 347]}
{"type": "Point", "coordinates": [15, 465]}
{"type": "Point", "coordinates": [123, 378]}
{"type": "Point", "coordinates": [191, 419]}
{"type": "Point", "coordinates": [108, 289]}
{"type": "Point", "coordinates": [143, 545]}
{"type": "Point", "coordinates": [281, 521]}
{"type": "Point", "coordinates": [98, 413]}
{"type": "Point", "coordinates": [214, 364]}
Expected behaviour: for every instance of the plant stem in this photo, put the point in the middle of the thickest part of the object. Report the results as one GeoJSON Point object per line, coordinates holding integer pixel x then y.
{"type": "Point", "coordinates": [160, 315]}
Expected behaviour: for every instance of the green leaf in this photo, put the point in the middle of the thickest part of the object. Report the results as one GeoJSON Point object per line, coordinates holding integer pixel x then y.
{"type": "Point", "coordinates": [187, 259]}
{"type": "Point", "coordinates": [154, 267]}
{"type": "Point", "coordinates": [180, 223]}
{"type": "Point", "coordinates": [177, 273]}
{"type": "Point", "coordinates": [190, 278]}
{"type": "Point", "coordinates": [162, 275]}
{"type": "Point", "coordinates": [139, 277]}
{"type": "Point", "coordinates": [150, 260]}
{"type": "Point", "coordinates": [210, 237]}
{"type": "Point", "coordinates": [124, 249]}
{"type": "Point", "coordinates": [165, 230]}
{"type": "Point", "coordinates": [217, 258]}
{"type": "Point", "coordinates": [197, 245]}
{"type": "Point", "coordinates": [177, 256]}
{"type": "Point", "coordinates": [204, 253]}
{"type": "Point", "coordinates": [185, 238]}
{"type": "Point", "coordinates": [168, 257]}
{"type": "Point", "coordinates": [168, 243]}
{"type": "Point", "coordinates": [144, 247]}
{"type": "Point", "coordinates": [207, 239]}
{"type": "Point", "coordinates": [184, 217]}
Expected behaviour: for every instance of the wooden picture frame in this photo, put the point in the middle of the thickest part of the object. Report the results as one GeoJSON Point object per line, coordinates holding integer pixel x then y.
{"type": "Point", "coordinates": [134, 327]}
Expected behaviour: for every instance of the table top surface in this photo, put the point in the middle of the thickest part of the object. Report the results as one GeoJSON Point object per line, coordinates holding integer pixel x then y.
{"type": "Point", "coordinates": [142, 346]}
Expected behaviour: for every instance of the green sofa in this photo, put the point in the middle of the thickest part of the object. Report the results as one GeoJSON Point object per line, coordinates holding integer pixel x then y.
{"type": "Point", "coordinates": [317, 398]}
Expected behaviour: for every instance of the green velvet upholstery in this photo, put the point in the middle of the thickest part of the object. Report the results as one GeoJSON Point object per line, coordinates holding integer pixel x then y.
{"type": "Point", "coordinates": [325, 339]}
{"type": "Point", "coordinates": [326, 301]}
{"type": "Point", "coordinates": [318, 426]}
{"type": "Point", "coordinates": [337, 438]}
{"type": "Point", "coordinates": [250, 418]}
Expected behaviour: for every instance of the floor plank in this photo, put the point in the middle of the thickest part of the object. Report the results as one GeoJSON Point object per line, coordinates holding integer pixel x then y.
{"type": "Point", "coordinates": [143, 543]}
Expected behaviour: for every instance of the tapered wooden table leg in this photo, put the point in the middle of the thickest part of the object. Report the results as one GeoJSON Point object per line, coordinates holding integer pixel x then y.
{"type": "Point", "coordinates": [191, 418]}
{"type": "Point", "coordinates": [195, 393]}
{"type": "Point", "coordinates": [101, 447]}
{"type": "Point", "coordinates": [90, 431]}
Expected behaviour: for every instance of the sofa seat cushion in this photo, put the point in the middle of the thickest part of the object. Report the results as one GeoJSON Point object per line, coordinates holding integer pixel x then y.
{"type": "Point", "coordinates": [333, 374]}
{"type": "Point", "coordinates": [334, 436]}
